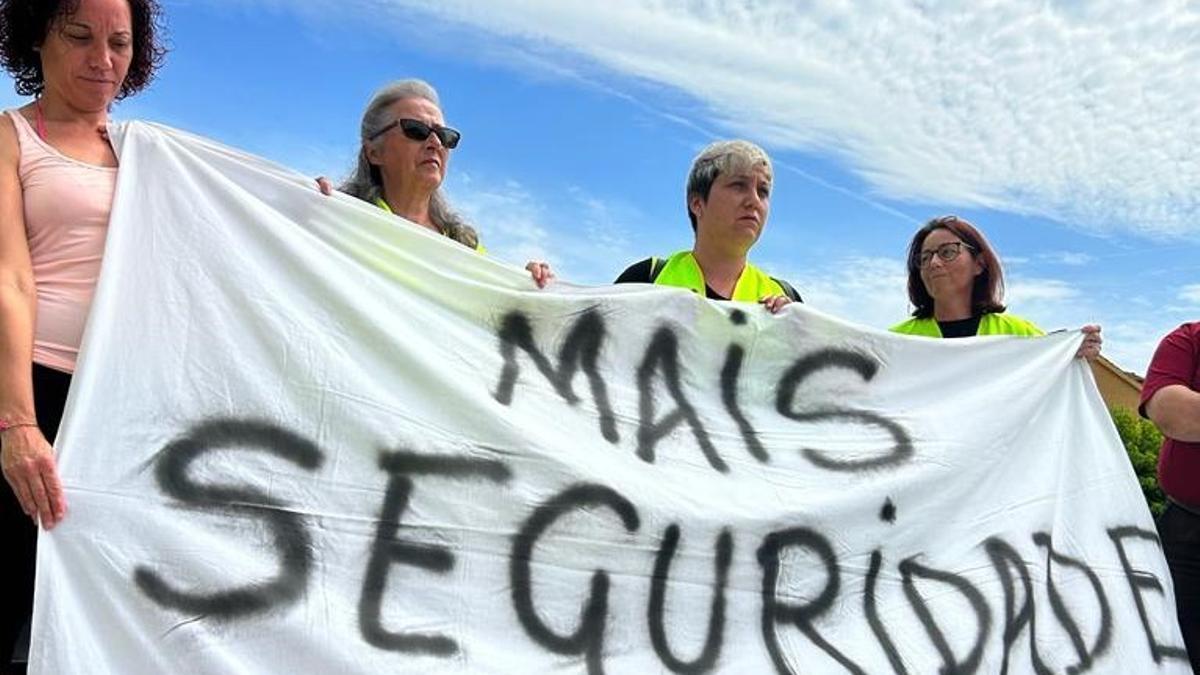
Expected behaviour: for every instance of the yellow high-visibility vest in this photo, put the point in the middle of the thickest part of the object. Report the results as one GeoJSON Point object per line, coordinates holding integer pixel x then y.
{"type": "Point", "coordinates": [384, 205]}
{"type": "Point", "coordinates": [683, 271]}
{"type": "Point", "coordinates": [989, 324]}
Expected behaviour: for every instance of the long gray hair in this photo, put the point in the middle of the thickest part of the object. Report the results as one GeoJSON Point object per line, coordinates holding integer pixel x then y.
{"type": "Point", "coordinates": [366, 182]}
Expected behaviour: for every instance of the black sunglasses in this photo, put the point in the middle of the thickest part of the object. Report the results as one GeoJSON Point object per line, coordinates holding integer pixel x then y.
{"type": "Point", "coordinates": [419, 131]}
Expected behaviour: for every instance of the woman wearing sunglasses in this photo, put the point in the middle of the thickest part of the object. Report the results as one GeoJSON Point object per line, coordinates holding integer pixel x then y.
{"type": "Point", "coordinates": [956, 284]}
{"type": "Point", "coordinates": [402, 162]}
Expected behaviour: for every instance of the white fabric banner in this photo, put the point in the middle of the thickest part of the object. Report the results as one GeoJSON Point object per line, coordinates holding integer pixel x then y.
{"type": "Point", "coordinates": [305, 437]}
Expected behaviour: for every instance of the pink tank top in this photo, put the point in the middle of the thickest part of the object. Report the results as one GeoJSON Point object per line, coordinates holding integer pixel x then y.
{"type": "Point", "coordinates": [67, 203]}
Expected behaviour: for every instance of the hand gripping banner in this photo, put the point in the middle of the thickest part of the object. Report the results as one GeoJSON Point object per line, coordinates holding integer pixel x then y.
{"type": "Point", "coordinates": [306, 437]}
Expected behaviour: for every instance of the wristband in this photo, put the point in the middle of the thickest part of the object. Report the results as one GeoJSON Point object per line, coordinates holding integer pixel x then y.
{"type": "Point", "coordinates": [5, 425]}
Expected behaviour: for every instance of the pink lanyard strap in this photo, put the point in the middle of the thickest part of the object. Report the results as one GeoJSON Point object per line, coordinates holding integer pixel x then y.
{"type": "Point", "coordinates": [40, 122]}
{"type": "Point", "coordinates": [38, 119]}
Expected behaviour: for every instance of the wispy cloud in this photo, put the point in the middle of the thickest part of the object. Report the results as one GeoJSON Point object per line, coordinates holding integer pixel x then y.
{"type": "Point", "coordinates": [1190, 293]}
{"type": "Point", "coordinates": [517, 225]}
{"type": "Point", "coordinates": [1072, 258]}
{"type": "Point", "coordinates": [1131, 342]}
{"type": "Point", "coordinates": [511, 221]}
{"type": "Point", "coordinates": [866, 290]}
{"type": "Point", "coordinates": [1082, 112]}
{"type": "Point", "coordinates": [1025, 291]}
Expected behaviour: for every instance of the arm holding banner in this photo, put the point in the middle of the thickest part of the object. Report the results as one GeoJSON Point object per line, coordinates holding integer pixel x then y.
{"type": "Point", "coordinates": [1090, 348]}
{"type": "Point", "coordinates": [26, 456]}
{"type": "Point", "coordinates": [540, 272]}
{"type": "Point", "coordinates": [775, 303]}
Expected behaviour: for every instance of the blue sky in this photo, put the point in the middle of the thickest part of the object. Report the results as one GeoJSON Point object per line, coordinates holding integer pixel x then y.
{"type": "Point", "coordinates": [1067, 131]}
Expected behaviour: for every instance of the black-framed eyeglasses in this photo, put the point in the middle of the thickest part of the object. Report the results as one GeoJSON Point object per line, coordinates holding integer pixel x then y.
{"type": "Point", "coordinates": [945, 252]}
{"type": "Point", "coordinates": [419, 131]}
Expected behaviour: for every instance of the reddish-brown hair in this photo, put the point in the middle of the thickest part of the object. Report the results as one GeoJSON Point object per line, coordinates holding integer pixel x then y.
{"type": "Point", "coordinates": [987, 295]}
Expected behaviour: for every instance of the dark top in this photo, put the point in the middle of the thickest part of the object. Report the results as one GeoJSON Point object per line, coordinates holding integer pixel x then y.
{"type": "Point", "coordinates": [960, 328]}
{"type": "Point", "coordinates": [643, 272]}
{"type": "Point", "coordinates": [638, 273]}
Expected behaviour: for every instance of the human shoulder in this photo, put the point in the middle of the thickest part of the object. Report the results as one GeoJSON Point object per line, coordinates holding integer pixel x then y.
{"type": "Point", "coordinates": [10, 145]}
{"type": "Point", "coordinates": [775, 285]}
{"type": "Point", "coordinates": [917, 326]}
{"type": "Point", "coordinates": [640, 272]}
{"type": "Point", "coordinates": [1176, 361]}
{"type": "Point", "coordinates": [1002, 323]}
{"type": "Point", "coordinates": [1188, 333]}
{"type": "Point", "coordinates": [10, 154]}
{"type": "Point", "coordinates": [788, 290]}
{"type": "Point", "coordinates": [14, 249]}
{"type": "Point", "coordinates": [1180, 345]}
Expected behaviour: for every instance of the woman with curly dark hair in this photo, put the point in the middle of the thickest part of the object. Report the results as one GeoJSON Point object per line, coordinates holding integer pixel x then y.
{"type": "Point", "coordinates": [57, 175]}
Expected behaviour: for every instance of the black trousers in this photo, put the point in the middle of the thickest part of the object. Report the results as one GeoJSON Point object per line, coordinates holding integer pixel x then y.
{"type": "Point", "coordinates": [17, 531]}
{"type": "Point", "coordinates": [1179, 530]}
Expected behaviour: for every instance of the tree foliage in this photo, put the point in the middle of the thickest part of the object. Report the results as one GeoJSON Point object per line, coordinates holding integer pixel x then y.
{"type": "Point", "coordinates": [1142, 441]}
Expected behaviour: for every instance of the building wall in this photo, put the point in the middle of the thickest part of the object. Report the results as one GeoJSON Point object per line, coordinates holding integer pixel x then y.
{"type": "Point", "coordinates": [1118, 388]}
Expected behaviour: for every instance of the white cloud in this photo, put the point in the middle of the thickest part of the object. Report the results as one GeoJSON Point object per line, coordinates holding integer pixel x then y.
{"type": "Point", "coordinates": [866, 290]}
{"type": "Point", "coordinates": [1130, 343]}
{"type": "Point", "coordinates": [1132, 326]}
{"type": "Point", "coordinates": [509, 219]}
{"type": "Point", "coordinates": [1190, 293]}
{"type": "Point", "coordinates": [1023, 292]}
{"type": "Point", "coordinates": [1083, 112]}
{"type": "Point", "coordinates": [1072, 258]}
{"type": "Point", "coordinates": [517, 225]}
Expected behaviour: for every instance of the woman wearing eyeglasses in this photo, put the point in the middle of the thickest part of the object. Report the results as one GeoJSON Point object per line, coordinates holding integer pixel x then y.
{"type": "Point", "coordinates": [402, 163]}
{"type": "Point", "coordinates": [956, 284]}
